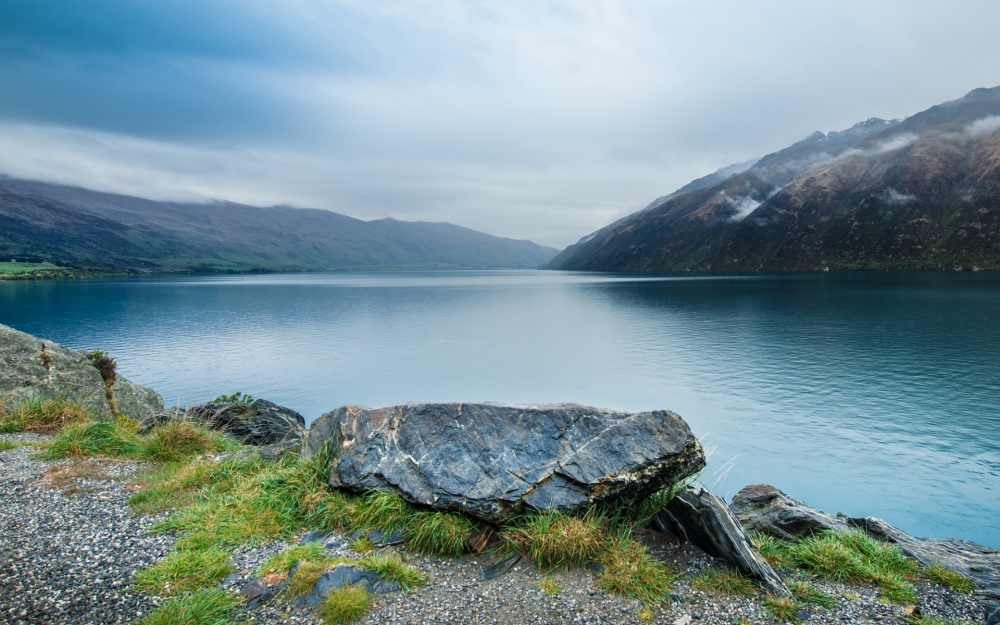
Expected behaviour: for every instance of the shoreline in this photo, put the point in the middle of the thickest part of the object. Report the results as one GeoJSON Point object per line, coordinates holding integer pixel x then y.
{"type": "Point", "coordinates": [455, 592]}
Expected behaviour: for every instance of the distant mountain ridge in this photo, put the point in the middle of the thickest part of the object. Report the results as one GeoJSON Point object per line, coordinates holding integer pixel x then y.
{"type": "Point", "coordinates": [91, 229]}
{"type": "Point", "coordinates": [921, 193]}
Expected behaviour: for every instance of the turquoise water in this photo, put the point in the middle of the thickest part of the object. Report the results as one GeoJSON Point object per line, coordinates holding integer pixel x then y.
{"type": "Point", "coordinates": [869, 394]}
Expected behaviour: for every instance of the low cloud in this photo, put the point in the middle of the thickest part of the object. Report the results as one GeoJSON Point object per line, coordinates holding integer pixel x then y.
{"type": "Point", "coordinates": [984, 126]}
{"type": "Point", "coordinates": [896, 143]}
{"type": "Point", "coordinates": [742, 205]}
{"type": "Point", "coordinates": [892, 196]}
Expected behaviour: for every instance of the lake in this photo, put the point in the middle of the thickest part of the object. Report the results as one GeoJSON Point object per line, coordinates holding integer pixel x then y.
{"type": "Point", "coordinates": [864, 393]}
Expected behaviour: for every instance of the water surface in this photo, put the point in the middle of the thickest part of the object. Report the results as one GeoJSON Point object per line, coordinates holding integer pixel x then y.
{"type": "Point", "coordinates": [865, 393]}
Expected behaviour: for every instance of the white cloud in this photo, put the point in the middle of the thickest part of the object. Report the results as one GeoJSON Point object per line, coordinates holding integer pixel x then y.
{"type": "Point", "coordinates": [523, 119]}
{"type": "Point", "coordinates": [743, 205]}
{"type": "Point", "coordinates": [984, 126]}
{"type": "Point", "coordinates": [892, 196]}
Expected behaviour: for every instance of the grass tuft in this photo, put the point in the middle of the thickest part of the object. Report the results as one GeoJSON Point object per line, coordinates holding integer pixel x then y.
{"type": "Point", "coordinates": [179, 439]}
{"type": "Point", "coordinates": [808, 594]}
{"type": "Point", "coordinates": [549, 586]}
{"type": "Point", "coordinates": [782, 609]}
{"type": "Point", "coordinates": [774, 551]}
{"type": "Point", "coordinates": [43, 415]}
{"type": "Point", "coordinates": [346, 605]}
{"type": "Point", "coordinates": [948, 578]}
{"type": "Point", "coordinates": [391, 567]}
{"type": "Point", "coordinates": [629, 571]}
{"type": "Point", "coordinates": [184, 570]}
{"type": "Point", "coordinates": [382, 511]}
{"type": "Point", "coordinates": [553, 539]}
{"type": "Point", "coordinates": [208, 606]}
{"type": "Point", "coordinates": [440, 533]}
{"type": "Point", "coordinates": [850, 557]}
{"type": "Point", "coordinates": [307, 573]}
{"type": "Point", "coordinates": [6, 445]}
{"type": "Point", "coordinates": [95, 438]}
{"type": "Point", "coordinates": [281, 562]}
{"type": "Point", "coordinates": [726, 581]}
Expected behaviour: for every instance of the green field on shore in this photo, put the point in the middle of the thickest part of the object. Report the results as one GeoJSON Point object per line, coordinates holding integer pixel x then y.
{"type": "Point", "coordinates": [27, 267]}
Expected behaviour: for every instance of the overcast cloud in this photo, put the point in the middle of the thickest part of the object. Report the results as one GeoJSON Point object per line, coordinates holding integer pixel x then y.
{"type": "Point", "coordinates": [539, 120]}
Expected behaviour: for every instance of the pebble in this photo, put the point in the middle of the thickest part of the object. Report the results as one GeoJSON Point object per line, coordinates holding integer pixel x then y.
{"type": "Point", "coordinates": [69, 552]}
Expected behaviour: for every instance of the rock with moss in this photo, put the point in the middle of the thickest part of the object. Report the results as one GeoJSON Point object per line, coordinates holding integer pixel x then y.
{"type": "Point", "coordinates": [492, 461]}
{"type": "Point", "coordinates": [274, 428]}
{"type": "Point", "coordinates": [764, 508]}
{"type": "Point", "coordinates": [31, 367]}
{"type": "Point", "coordinates": [701, 518]}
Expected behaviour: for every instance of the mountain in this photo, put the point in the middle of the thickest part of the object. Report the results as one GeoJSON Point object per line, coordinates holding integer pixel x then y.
{"type": "Point", "coordinates": [90, 229]}
{"type": "Point", "coordinates": [921, 193]}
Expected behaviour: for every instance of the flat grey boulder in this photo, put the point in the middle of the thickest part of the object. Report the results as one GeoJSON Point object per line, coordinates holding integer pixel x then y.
{"type": "Point", "coordinates": [31, 367]}
{"type": "Point", "coordinates": [262, 423]}
{"type": "Point", "coordinates": [980, 564]}
{"type": "Point", "coordinates": [704, 520]}
{"type": "Point", "coordinates": [492, 461]}
{"type": "Point", "coordinates": [764, 508]}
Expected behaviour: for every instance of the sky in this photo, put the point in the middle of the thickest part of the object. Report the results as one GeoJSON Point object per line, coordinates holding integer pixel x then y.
{"type": "Point", "coordinates": [540, 120]}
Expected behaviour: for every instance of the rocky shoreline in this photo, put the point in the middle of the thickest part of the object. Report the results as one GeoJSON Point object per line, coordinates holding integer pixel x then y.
{"type": "Point", "coordinates": [72, 547]}
{"type": "Point", "coordinates": [122, 512]}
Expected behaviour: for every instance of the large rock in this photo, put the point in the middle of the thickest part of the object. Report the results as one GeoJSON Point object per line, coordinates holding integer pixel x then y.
{"type": "Point", "coordinates": [492, 461]}
{"type": "Point", "coordinates": [701, 518]}
{"type": "Point", "coordinates": [34, 367]}
{"type": "Point", "coordinates": [980, 564]}
{"type": "Point", "coordinates": [766, 509]}
{"type": "Point", "coordinates": [262, 423]}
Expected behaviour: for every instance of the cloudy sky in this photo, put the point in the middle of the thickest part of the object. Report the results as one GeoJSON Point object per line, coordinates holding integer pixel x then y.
{"type": "Point", "coordinates": [531, 119]}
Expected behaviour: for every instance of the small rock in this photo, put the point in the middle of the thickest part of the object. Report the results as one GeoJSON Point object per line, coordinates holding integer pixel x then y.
{"type": "Point", "coordinates": [501, 566]}
{"type": "Point", "coordinates": [684, 620]}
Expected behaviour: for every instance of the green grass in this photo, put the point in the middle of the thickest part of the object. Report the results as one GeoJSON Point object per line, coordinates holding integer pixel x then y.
{"type": "Point", "coordinates": [184, 570]}
{"type": "Point", "coordinates": [391, 567]}
{"type": "Point", "coordinates": [96, 438]}
{"type": "Point", "coordinates": [440, 533]}
{"type": "Point", "coordinates": [179, 439]}
{"type": "Point", "coordinates": [281, 562]}
{"type": "Point", "coordinates": [850, 557]}
{"type": "Point", "coordinates": [15, 268]}
{"type": "Point", "coordinates": [43, 415]}
{"type": "Point", "coordinates": [202, 607]}
{"type": "Point", "coordinates": [808, 594]}
{"type": "Point", "coordinates": [630, 571]}
{"type": "Point", "coordinates": [171, 441]}
{"type": "Point", "coordinates": [930, 620]}
{"type": "Point", "coordinates": [554, 539]}
{"type": "Point", "coordinates": [726, 581]}
{"type": "Point", "coordinates": [306, 576]}
{"type": "Point", "coordinates": [346, 605]}
{"type": "Point", "coordinates": [5, 445]}
{"type": "Point", "coordinates": [948, 578]}
{"type": "Point", "coordinates": [782, 609]}
{"type": "Point", "coordinates": [549, 586]}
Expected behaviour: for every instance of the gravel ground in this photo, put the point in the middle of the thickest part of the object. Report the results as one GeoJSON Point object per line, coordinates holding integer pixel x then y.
{"type": "Point", "coordinates": [70, 546]}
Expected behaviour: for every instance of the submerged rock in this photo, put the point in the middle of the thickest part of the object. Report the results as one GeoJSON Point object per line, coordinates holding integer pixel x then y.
{"type": "Point", "coordinates": [701, 518]}
{"type": "Point", "coordinates": [274, 428]}
{"type": "Point", "coordinates": [31, 367]}
{"type": "Point", "coordinates": [492, 461]}
{"type": "Point", "coordinates": [764, 508]}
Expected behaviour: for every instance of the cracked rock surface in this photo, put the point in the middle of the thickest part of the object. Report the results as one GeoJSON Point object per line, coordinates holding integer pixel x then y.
{"type": "Point", "coordinates": [493, 460]}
